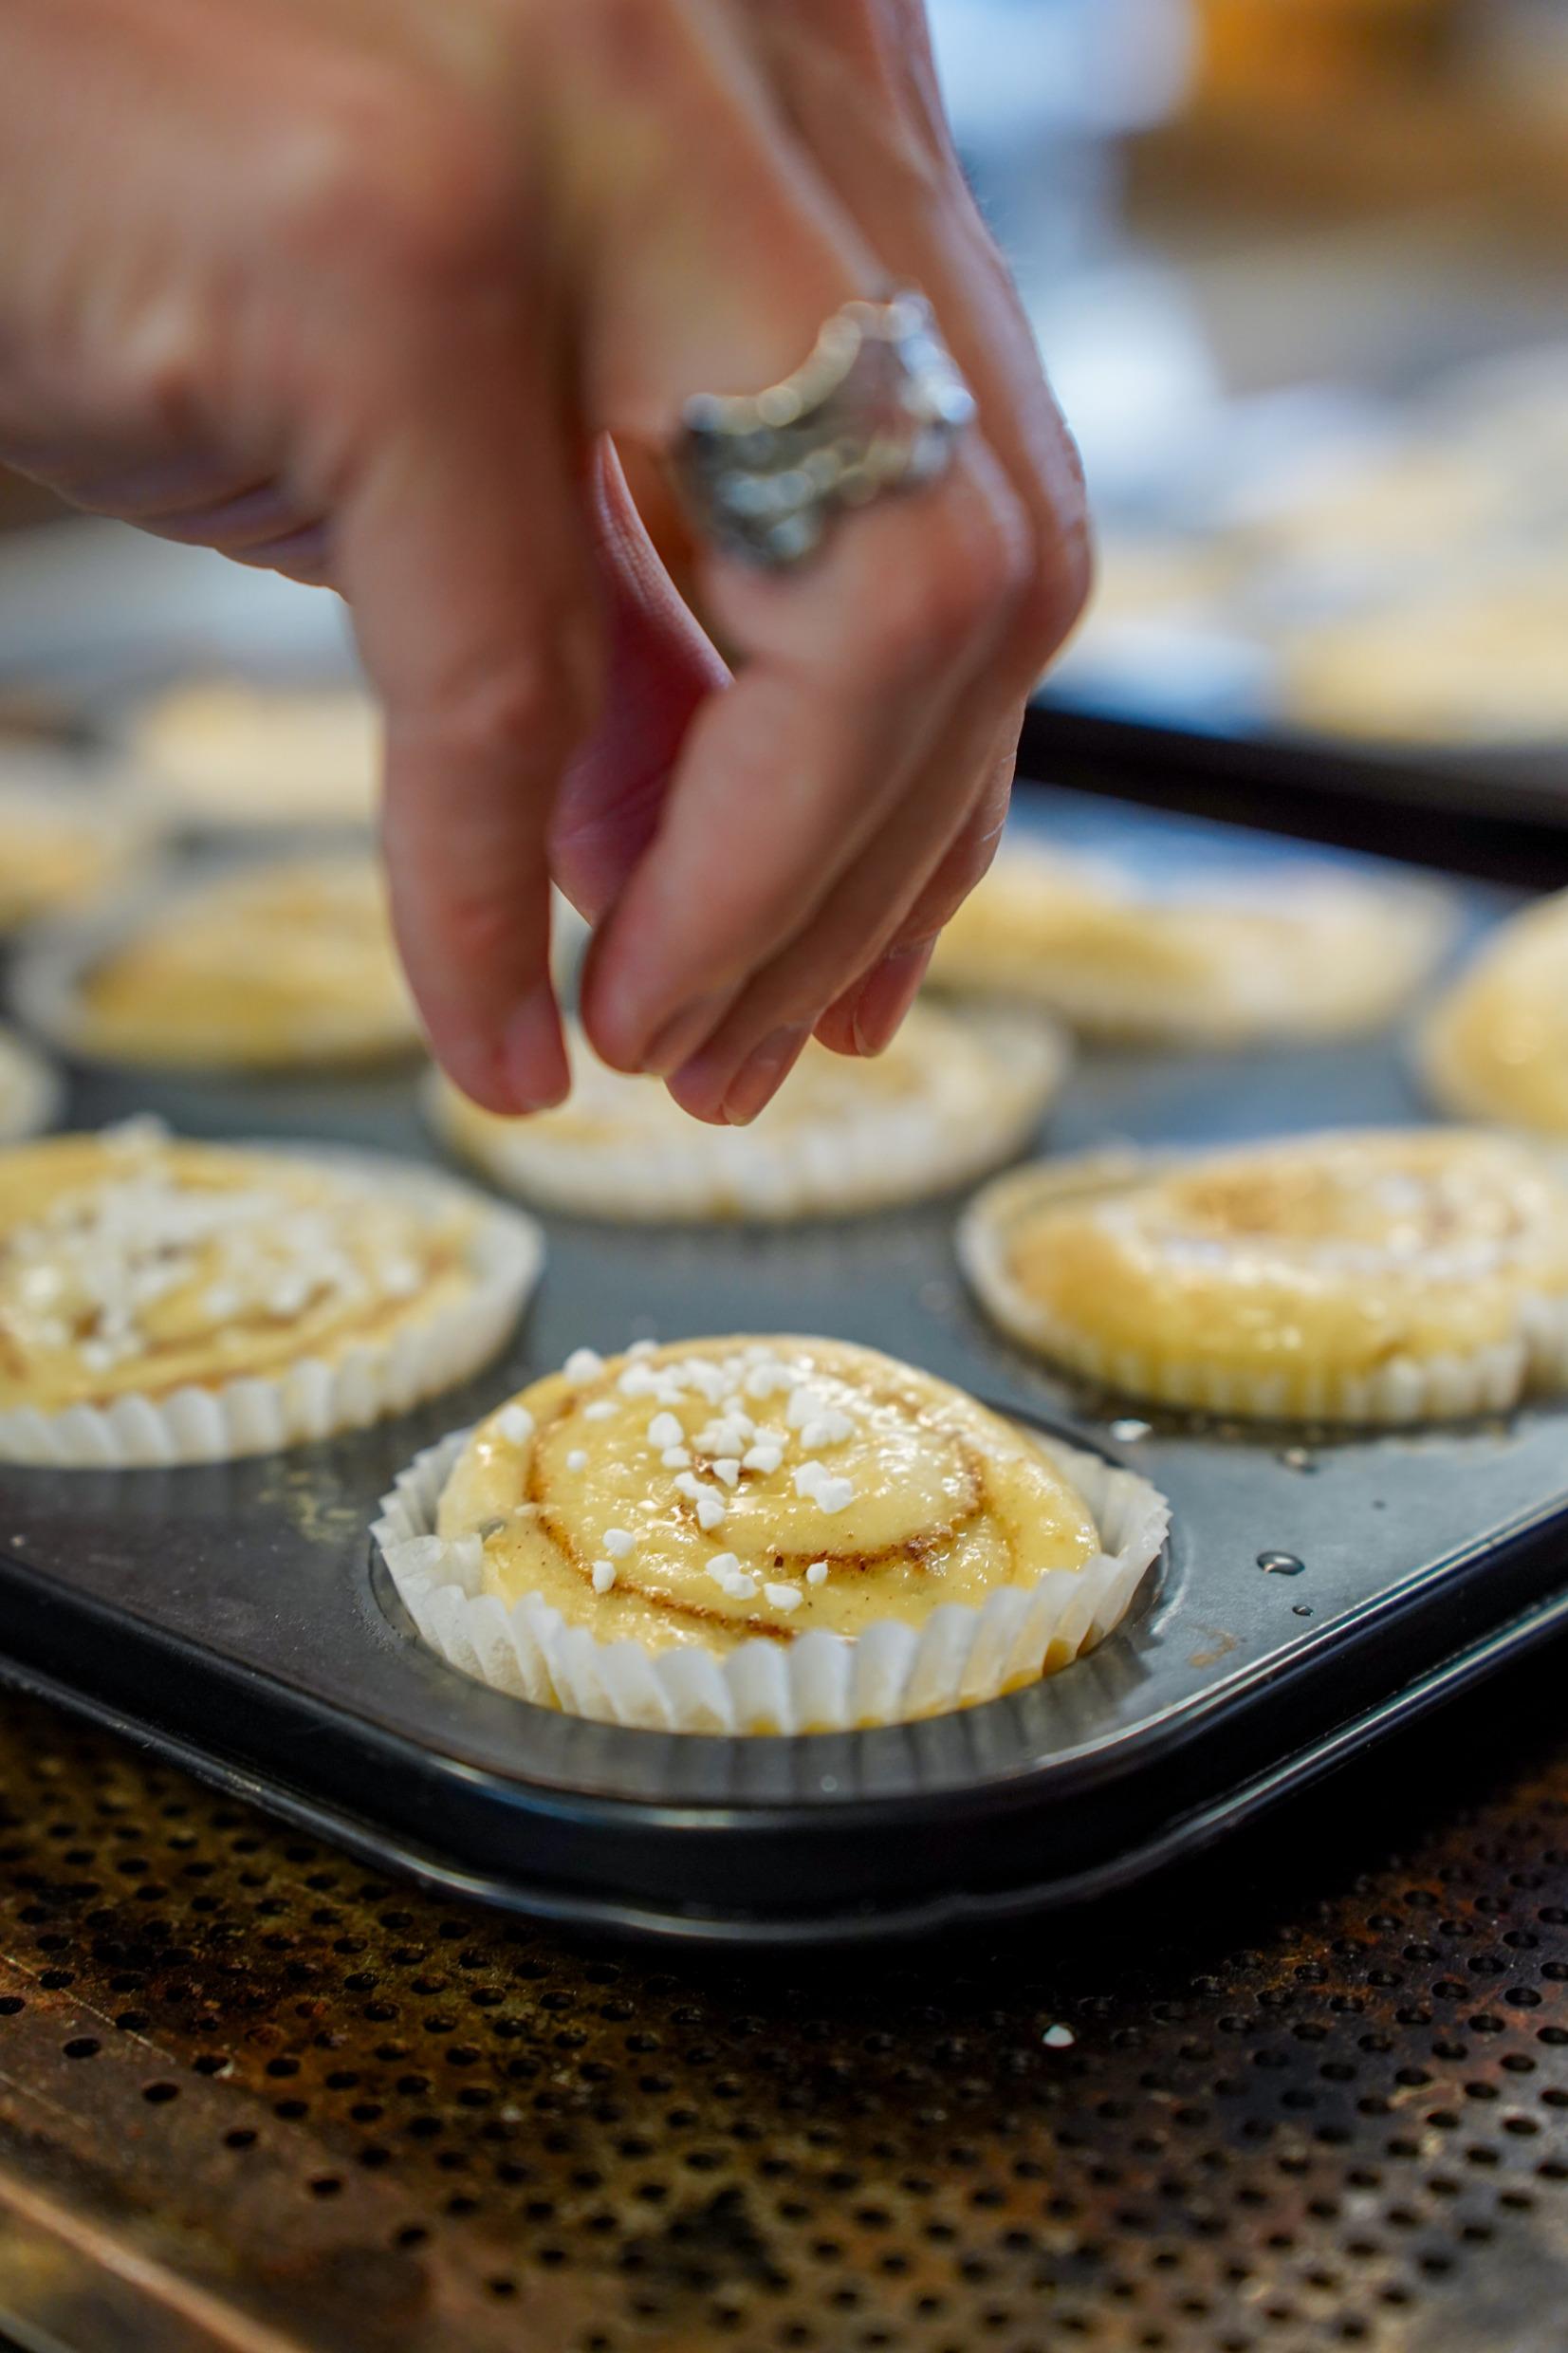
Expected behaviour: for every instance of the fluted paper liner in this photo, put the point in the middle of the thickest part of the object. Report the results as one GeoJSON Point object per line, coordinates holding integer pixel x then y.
{"type": "Point", "coordinates": [881, 1155]}
{"type": "Point", "coordinates": [1405, 1391]}
{"type": "Point", "coordinates": [813, 1683]}
{"type": "Point", "coordinates": [254, 1415]}
{"type": "Point", "coordinates": [32, 1091]}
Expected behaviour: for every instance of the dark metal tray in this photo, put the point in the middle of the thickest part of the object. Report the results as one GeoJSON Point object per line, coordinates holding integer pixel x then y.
{"type": "Point", "coordinates": [1500, 813]}
{"type": "Point", "coordinates": [231, 1617]}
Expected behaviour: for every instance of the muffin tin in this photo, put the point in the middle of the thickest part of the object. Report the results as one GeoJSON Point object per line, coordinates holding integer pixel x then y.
{"type": "Point", "coordinates": [1316, 1589]}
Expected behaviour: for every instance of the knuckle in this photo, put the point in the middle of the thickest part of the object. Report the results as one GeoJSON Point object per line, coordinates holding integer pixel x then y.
{"type": "Point", "coordinates": [641, 47]}
{"type": "Point", "coordinates": [985, 567]}
{"type": "Point", "coordinates": [158, 373]}
{"type": "Point", "coordinates": [522, 705]}
{"type": "Point", "coordinates": [799, 999]}
{"type": "Point", "coordinates": [966, 864]}
{"type": "Point", "coordinates": [479, 923]}
{"type": "Point", "coordinates": [966, 583]}
{"type": "Point", "coordinates": [1060, 574]}
{"type": "Point", "coordinates": [943, 896]}
{"type": "Point", "coordinates": [386, 172]}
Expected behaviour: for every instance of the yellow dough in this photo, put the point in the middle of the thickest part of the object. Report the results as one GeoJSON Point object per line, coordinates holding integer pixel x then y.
{"type": "Point", "coordinates": [59, 849]}
{"type": "Point", "coordinates": [133, 1263]}
{"type": "Point", "coordinates": [953, 1095]}
{"type": "Point", "coordinates": [1497, 1045]}
{"type": "Point", "coordinates": [266, 966]}
{"type": "Point", "coordinates": [1485, 661]}
{"type": "Point", "coordinates": [222, 753]}
{"type": "Point", "coordinates": [1378, 1276]}
{"type": "Point", "coordinates": [1408, 506]}
{"type": "Point", "coordinates": [706, 1482]}
{"type": "Point", "coordinates": [1301, 954]}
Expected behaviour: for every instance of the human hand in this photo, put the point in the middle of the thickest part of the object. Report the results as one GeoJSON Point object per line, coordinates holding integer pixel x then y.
{"type": "Point", "coordinates": [360, 293]}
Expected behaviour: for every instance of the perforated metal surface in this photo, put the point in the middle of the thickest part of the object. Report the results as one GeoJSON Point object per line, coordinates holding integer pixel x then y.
{"type": "Point", "coordinates": [251, 2098]}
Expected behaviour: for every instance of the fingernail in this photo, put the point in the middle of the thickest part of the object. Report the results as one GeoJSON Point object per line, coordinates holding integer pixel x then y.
{"type": "Point", "coordinates": [887, 996]}
{"type": "Point", "coordinates": [533, 1055]}
{"type": "Point", "coordinates": [761, 1073]}
{"type": "Point", "coordinates": [680, 1038]}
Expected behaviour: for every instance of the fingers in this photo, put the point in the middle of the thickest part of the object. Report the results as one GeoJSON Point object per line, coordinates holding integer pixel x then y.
{"type": "Point", "coordinates": [890, 902]}
{"type": "Point", "coordinates": [785, 782]}
{"type": "Point", "coordinates": [197, 501]}
{"type": "Point", "coordinates": [854, 77]}
{"type": "Point", "coordinates": [462, 552]}
{"type": "Point", "coordinates": [866, 1017]}
{"type": "Point", "coordinates": [847, 668]}
{"type": "Point", "coordinates": [860, 84]}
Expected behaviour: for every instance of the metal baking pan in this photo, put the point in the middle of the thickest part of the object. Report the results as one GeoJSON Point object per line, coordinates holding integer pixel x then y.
{"type": "Point", "coordinates": [1494, 810]}
{"type": "Point", "coordinates": [233, 1617]}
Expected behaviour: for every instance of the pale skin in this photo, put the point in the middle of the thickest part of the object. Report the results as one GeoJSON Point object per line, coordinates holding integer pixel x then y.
{"type": "Point", "coordinates": [362, 290]}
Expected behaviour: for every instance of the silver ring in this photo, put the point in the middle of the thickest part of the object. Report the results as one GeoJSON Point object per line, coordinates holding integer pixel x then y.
{"type": "Point", "coordinates": [878, 407]}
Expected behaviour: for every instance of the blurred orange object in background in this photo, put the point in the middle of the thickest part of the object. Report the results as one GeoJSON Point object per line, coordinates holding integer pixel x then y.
{"type": "Point", "coordinates": [1284, 50]}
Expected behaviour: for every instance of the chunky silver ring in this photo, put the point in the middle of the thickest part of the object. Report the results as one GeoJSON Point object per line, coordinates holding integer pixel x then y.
{"type": "Point", "coordinates": [878, 407]}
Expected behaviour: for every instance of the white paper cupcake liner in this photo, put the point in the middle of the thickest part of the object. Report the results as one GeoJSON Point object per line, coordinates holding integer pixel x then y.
{"type": "Point", "coordinates": [45, 988]}
{"type": "Point", "coordinates": [32, 1091]}
{"type": "Point", "coordinates": [1405, 1390]}
{"type": "Point", "coordinates": [817, 1682]}
{"type": "Point", "coordinates": [313, 1398]}
{"type": "Point", "coordinates": [861, 1159]}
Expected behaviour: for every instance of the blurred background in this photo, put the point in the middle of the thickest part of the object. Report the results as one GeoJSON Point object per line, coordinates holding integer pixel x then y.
{"type": "Point", "coordinates": [1299, 273]}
